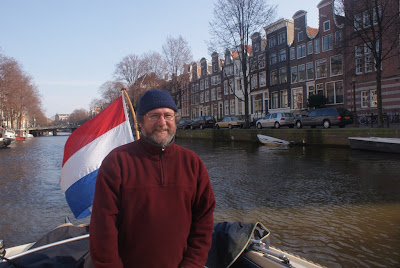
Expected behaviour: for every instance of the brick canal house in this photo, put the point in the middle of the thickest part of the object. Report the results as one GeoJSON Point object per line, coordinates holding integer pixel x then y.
{"type": "Point", "coordinates": [294, 62]}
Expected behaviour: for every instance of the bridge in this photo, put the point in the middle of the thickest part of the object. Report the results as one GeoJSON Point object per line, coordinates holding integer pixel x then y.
{"type": "Point", "coordinates": [39, 131]}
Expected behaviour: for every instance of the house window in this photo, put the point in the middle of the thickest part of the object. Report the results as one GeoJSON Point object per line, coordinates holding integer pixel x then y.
{"type": "Point", "coordinates": [320, 68]}
{"type": "Point", "coordinates": [255, 47]}
{"type": "Point", "coordinates": [368, 98]}
{"type": "Point", "coordinates": [309, 48]}
{"type": "Point", "coordinates": [334, 92]}
{"type": "Point", "coordinates": [336, 65]}
{"type": "Point", "coordinates": [366, 19]}
{"type": "Point", "coordinates": [310, 70]}
{"type": "Point", "coordinates": [316, 46]}
{"type": "Point", "coordinates": [310, 90]}
{"type": "Point", "coordinates": [201, 84]}
{"type": "Point", "coordinates": [297, 95]}
{"type": "Point", "coordinates": [357, 22]}
{"type": "Point", "coordinates": [368, 59]}
{"type": "Point", "coordinates": [274, 100]}
{"type": "Point", "coordinates": [320, 89]}
{"type": "Point", "coordinates": [364, 99]}
{"type": "Point", "coordinates": [292, 55]}
{"type": "Point", "coordinates": [219, 93]}
{"type": "Point", "coordinates": [281, 38]}
{"type": "Point", "coordinates": [282, 55]}
{"type": "Point", "coordinates": [231, 86]}
{"type": "Point", "coordinates": [374, 98]}
{"type": "Point", "coordinates": [253, 82]}
{"type": "Point", "coordinates": [213, 95]}
{"type": "Point", "coordinates": [263, 79]}
{"type": "Point", "coordinates": [272, 58]}
{"type": "Point", "coordinates": [301, 51]}
{"type": "Point", "coordinates": [300, 37]}
{"type": "Point", "coordinates": [226, 107]}
{"type": "Point", "coordinates": [226, 87]}
{"type": "Point", "coordinates": [302, 72]}
{"type": "Point", "coordinates": [273, 78]}
{"type": "Point", "coordinates": [271, 41]}
{"type": "Point", "coordinates": [261, 61]}
{"type": "Point", "coordinates": [293, 73]}
{"type": "Point", "coordinates": [206, 83]}
{"type": "Point", "coordinates": [282, 75]}
{"type": "Point", "coordinates": [327, 26]}
{"type": "Point", "coordinates": [338, 38]}
{"type": "Point", "coordinates": [284, 98]}
{"type": "Point", "coordinates": [207, 96]}
{"type": "Point", "coordinates": [202, 97]}
{"type": "Point", "coordinates": [232, 102]}
{"type": "Point", "coordinates": [327, 42]}
{"type": "Point", "coordinates": [215, 65]}
{"type": "Point", "coordinates": [378, 14]}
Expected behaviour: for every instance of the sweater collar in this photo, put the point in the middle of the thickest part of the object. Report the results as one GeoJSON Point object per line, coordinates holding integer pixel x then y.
{"type": "Point", "coordinates": [154, 148]}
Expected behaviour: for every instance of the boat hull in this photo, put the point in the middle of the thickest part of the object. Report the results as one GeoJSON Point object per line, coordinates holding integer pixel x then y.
{"type": "Point", "coordinates": [271, 141]}
{"type": "Point", "coordinates": [387, 145]}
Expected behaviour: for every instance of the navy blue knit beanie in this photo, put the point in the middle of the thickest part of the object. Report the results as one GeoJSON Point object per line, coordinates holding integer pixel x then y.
{"type": "Point", "coordinates": [153, 99]}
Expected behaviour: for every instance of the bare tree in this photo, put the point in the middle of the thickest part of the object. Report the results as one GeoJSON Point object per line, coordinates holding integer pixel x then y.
{"type": "Point", "coordinates": [154, 63]}
{"type": "Point", "coordinates": [129, 69]}
{"type": "Point", "coordinates": [372, 30]}
{"type": "Point", "coordinates": [79, 116]}
{"type": "Point", "coordinates": [19, 96]}
{"type": "Point", "coordinates": [176, 53]}
{"type": "Point", "coordinates": [110, 91]}
{"type": "Point", "coordinates": [233, 24]}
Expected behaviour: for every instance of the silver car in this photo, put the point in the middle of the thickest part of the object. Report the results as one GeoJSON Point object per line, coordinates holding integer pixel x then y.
{"type": "Point", "coordinates": [276, 120]}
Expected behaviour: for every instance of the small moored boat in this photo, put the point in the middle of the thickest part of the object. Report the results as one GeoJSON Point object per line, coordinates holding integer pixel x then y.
{"type": "Point", "coordinates": [388, 145]}
{"type": "Point", "coordinates": [267, 140]}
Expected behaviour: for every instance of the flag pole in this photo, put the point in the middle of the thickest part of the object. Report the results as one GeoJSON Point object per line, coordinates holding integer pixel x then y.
{"type": "Point", "coordinates": [133, 113]}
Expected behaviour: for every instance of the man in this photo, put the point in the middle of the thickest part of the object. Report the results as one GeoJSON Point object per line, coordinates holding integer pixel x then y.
{"type": "Point", "coordinates": [153, 204]}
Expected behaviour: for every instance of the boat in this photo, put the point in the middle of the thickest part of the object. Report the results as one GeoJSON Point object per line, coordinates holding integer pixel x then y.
{"type": "Point", "coordinates": [4, 141]}
{"type": "Point", "coordinates": [388, 145]}
{"type": "Point", "coordinates": [268, 140]}
{"type": "Point", "coordinates": [234, 245]}
{"type": "Point", "coordinates": [22, 135]}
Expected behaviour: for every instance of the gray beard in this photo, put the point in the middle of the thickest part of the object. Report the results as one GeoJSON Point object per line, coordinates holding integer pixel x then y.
{"type": "Point", "coordinates": [153, 140]}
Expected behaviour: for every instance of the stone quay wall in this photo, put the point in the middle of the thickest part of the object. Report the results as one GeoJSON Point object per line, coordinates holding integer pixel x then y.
{"type": "Point", "coordinates": [307, 136]}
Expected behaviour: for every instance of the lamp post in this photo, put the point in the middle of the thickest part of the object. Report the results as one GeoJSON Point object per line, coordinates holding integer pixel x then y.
{"type": "Point", "coordinates": [353, 82]}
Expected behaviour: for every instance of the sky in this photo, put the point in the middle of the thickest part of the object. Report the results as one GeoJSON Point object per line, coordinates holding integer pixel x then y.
{"type": "Point", "coordinates": [70, 48]}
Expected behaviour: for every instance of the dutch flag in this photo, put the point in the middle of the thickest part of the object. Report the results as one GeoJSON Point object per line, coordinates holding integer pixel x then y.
{"type": "Point", "coordinates": [84, 151]}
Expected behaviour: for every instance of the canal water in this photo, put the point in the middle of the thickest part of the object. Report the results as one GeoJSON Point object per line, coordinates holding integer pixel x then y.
{"type": "Point", "coordinates": [336, 207]}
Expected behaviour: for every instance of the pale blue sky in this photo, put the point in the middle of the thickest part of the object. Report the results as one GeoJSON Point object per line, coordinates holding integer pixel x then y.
{"type": "Point", "coordinates": [70, 48]}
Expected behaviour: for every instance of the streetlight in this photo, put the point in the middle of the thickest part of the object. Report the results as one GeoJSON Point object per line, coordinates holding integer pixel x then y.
{"type": "Point", "coordinates": [353, 82]}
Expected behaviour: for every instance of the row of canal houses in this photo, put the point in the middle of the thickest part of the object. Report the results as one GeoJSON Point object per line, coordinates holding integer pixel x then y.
{"type": "Point", "coordinates": [293, 62]}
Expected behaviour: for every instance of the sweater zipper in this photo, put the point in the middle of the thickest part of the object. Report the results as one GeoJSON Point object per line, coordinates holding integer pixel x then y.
{"type": "Point", "coordinates": [162, 166]}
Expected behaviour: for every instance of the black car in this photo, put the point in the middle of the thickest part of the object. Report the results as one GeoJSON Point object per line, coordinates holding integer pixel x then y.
{"type": "Point", "coordinates": [325, 117]}
{"type": "Point", "coordinates": [203, 122]}
{"type": "Point", "coordinates": [184, 124]}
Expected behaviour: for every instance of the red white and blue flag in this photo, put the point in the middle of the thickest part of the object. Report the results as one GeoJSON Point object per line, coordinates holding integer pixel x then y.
{"type": "Point", "coordinates": [84, 151]}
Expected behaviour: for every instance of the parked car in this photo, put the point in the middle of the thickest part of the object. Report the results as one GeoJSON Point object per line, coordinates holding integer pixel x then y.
{"type": "Point", "coordinates": [203, 122]}
{"type": "Point", "coordinates": [184, 124]}
{"type": "Point", "coordinates": [325, 117]}
{"type": "Point", "coordinates": [276, 120]}
{"type": "Point", "coordinates": [230, 122]}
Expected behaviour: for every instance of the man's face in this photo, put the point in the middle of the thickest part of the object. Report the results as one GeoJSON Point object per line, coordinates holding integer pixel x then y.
{"type": "Point", "coordinates": [156, 126]}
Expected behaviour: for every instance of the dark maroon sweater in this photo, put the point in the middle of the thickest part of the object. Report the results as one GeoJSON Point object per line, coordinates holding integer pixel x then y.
{"type": "Point", "coordinates": [152, 207]}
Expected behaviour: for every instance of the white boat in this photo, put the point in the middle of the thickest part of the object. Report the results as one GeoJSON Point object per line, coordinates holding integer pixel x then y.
{"type": "Point", "coordinates": [245, 245]}
{"type": "Point", "coordinates": [388, 145]}
{"type": "Point", "coordinates": [267, 140]}
{"type": "Point", "coordinates": [9, 134]}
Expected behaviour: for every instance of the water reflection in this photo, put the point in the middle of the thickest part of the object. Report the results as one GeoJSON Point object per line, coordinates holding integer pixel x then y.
{"type": "Point", "coordinates": [337, 207]}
